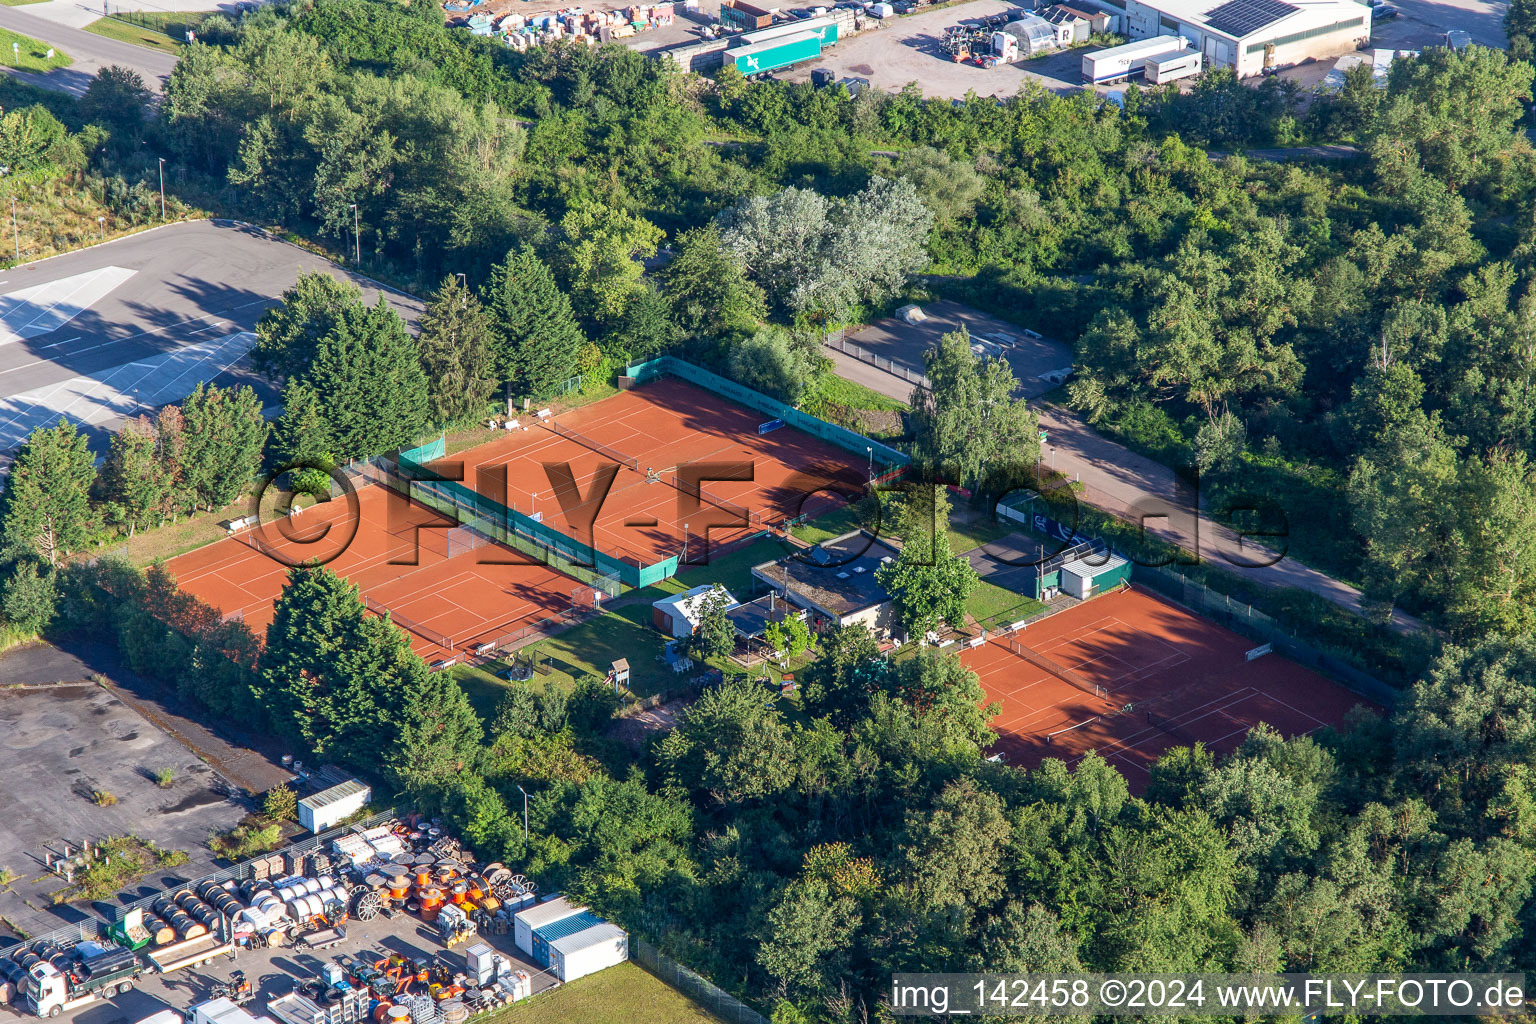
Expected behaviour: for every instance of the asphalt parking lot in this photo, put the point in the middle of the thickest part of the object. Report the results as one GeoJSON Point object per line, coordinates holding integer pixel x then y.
{"type": "Point", "coordinates": [906, 49]}
{"type": "Point", "coordinates": [276, 972]}
{"type": "Point", "coordinates": [108, 332]}
{"type": "Point", "coordinates": [904, 344]}
{"type": "Point", "coordinates": [60, 745]}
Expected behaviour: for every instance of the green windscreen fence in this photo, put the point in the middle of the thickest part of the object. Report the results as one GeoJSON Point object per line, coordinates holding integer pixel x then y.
{"type": "Point", "coordinates": [844, 438]}
{"type": "Point", "coordinates": [506, 525]}
{"type": "Point", "coordinates": [413, 477]}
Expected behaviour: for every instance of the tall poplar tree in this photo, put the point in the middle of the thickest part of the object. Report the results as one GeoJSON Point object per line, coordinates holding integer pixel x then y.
{"type": "Point", "coordinates": [537, 337]}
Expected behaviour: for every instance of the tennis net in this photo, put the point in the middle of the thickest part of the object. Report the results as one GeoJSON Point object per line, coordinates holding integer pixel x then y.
{"type": "Point", "coordinates": [597, 446]}
{"type": "Point", "coordinates": [405, 622]}
{"type": "Point", "coordinates": [1056, 669]}
{"type": "Point", "coordinates": [697, 490]}
{"type": "Point", "coordinates": [1168, 725]}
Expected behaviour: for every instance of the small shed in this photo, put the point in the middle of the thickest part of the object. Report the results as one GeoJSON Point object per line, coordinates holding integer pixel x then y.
{"type": "Point", "coordinates": [1094, 574]}
{"type": "Point", "coordinates": [576, 956]}
{"type": "Point", "coordinates": [323, 810]}
{"type": "Point", "coordinates": [1068, 22]}
{"type": "Point", "coordinates": [679, 615]}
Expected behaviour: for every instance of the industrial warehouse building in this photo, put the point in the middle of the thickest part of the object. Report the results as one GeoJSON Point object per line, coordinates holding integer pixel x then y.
{"type": "Point", "coordinates": [1247, 35]}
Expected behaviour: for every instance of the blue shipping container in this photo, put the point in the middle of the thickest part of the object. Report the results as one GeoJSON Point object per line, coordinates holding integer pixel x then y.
{"type": "Point", "coordinates": [557, 930]}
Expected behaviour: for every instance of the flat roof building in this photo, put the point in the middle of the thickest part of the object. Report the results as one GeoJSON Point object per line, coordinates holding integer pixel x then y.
{"type": "Point", "coordinates": [835, 580]}
{"type": "Point", "coordinates": [1251, 35]}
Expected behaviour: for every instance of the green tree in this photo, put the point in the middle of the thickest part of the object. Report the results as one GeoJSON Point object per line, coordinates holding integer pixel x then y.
{"type": "Point", "coordinates": [1457, 109]}
{"type": "Point", "coordinates": [456, 352]}
{"type": "Point", "coordinates": [30, 597]}
{"type": "Point", "coordinates": [132, 480]}
{"type": "Point", "coordinates": [715, 634]}
{"type": "Point", "coordinates": [46, 508]}
{"type": "Point", "coordinates": [117, 100]}
{"type": "Point", "coordinates": [368, 383]}
{"type": "Point", "coordinates": [601, 247]}
{"type": "Point", "coordinates": [281, 803]}
{"type": "Point", "coordinates": [710, 293]}
{"type": "Point", "coordinates": [777, 363]}
{"type": "Point", "coordinates": [967, 424]}
{"type": "Point", "coordinates": [808, 937]}
{"type": "Point", "coordinates": [302, 437]}
{"type": "Point", "coordinates": [440, 734]}
{"type": "Point", "coordinates": [645, 329]}
{"type": "Point", "coordinates": [1467, 728]}
{"type": "Point", "coordinates": [288, 334]}
{"type": "Point", "coordinates": [723, 743]}
{"type": "Point", "coordinates": [840, 682]}
{"type": "Point", "coordinates": [927, 582]}
{"type": "Point", "coordinates": [226, 434]}
{"type": "Point", "coordinates": [516, 715]}
{"type": "Point", "coordinates": [537, 338]}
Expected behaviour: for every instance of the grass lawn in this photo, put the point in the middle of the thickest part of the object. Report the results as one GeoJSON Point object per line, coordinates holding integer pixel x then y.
{"type": "Point", "coordinates": [994, 607]}
{"type": "Point", "coordinates": [27, 54]}
{"type": "Point", "coordinates": [964, 536]}
{"type": "Point", "coordinates": [165, 31]}
{"type": "Point", "coordinates": [833, 388]}
{"type": "Point", "coordinates": [592, 646]}
{"type": "Point", "coordinates": [19, 3]}
{"type": "Point", "coordinates": [623, 992]}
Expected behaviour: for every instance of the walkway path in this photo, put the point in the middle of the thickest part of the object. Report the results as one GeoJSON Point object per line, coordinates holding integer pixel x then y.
{"type": "Point", "coordinates": [1133, 487]}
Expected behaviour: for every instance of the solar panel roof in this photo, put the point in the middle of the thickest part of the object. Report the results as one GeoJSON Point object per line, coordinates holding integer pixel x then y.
{"type": "Point", "coordinates": [1240, 17]}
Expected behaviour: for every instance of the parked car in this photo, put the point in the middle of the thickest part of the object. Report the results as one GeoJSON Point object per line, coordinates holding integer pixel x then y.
{"type": "Point", "coordinates": [1384, 12]}
{"type": "Point", "coordinates": [904, 6]}
{"type": "Point", "coordinates": [799, 12]}
{"type": "Point", "coordinates": [1456, 39]}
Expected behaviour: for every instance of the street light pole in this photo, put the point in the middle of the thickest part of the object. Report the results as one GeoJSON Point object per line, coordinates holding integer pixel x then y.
{"type": "Point", "coordinates": [15, 229]}
{"type": "Point", "coordinates": [101, 222]}
{"type": "Point", "coordinates": [357, 238]}
{"type": "Point", "coordinates": [523, 791]}
{"type": "Point", "coordinates": [162, 188]}
{"type": "Point", "coordinates": [685, 543]}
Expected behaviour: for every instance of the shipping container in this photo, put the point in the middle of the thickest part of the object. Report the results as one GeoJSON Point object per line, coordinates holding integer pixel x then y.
{"type": "Point", "coordinates": [1119, 62]}
{"type": "Point", "coordinates": [556, 930]}
{"type": "Point", "coordinates": [775, 54]}
{"type": "Point", "coordinates": [537, 916]}
{"type": "Point", "coordinates": [825, 29]}
{"type": "Point", "coordinates": [585, 952]}
{"type": "Point", "coordinates": [329, 806]}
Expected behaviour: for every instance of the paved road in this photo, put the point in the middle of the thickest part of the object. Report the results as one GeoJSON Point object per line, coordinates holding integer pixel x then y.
{"type": "Point", "coordinates": [1131, 486]}
{"type": "Point", "coordinates": [122, 328]}
{"type": "Point", "coordinates": [90, 52]}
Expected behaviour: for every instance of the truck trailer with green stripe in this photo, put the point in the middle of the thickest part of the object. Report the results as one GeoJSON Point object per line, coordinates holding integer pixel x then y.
{"type": "Point", "coordinates": [774, 54]}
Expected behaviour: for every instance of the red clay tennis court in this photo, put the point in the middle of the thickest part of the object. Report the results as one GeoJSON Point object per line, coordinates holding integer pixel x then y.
{"type": "Point", "coordinates": [1166, 678]}
{"type": "Point", "coordinates": [651, 431]}
{"type": "Point", "coordinates": [442, 584]}
{"type": "Point", "coordinates": [399, 558]}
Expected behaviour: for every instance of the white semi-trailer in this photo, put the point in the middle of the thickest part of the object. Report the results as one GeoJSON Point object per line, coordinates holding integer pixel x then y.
{"type": "Point", "coordinates": [1170, 67]}
{"type": "Point", "coordinates": [1121, 62]}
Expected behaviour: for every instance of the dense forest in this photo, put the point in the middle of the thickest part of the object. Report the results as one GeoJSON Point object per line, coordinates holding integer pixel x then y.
{"type": "Point", "coordinates": [1352, 340]}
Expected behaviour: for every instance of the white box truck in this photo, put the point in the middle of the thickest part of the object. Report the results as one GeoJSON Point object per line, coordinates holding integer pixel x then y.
{"type": "Point", "coordinates": [1121, 62]}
